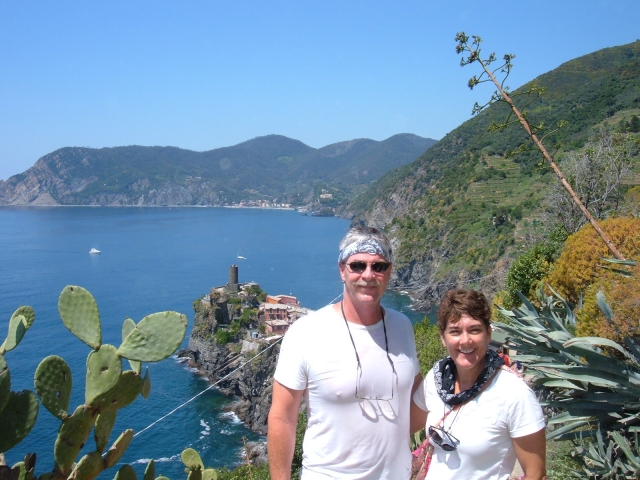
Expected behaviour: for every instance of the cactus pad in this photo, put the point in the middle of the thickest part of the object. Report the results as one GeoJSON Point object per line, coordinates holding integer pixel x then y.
{"type": "Point", "coordinates": [127, 326]}
{"type": "Point", "coordinates": [118, 448]}
{"type": "Point", "coordinates": [146, 385]}
{"type": "Point", "coordinates": [28, 313]}
{"type": "Point", "coordinates": [103, 371]}
{"type": "Point", "coordinates": [5, 383]}
{"type": "Point", "coordinates": [150, 471]}
{"type": "Point", "coordinates": [126, 472]}
{"type": "Point", "coordinates": [72, 435]}
{"type": "Point", "coordinates": [19, 323]}
{"type": "Point", "coordinates": [17, 328]}
{"type": "Point", "coordinates": [122, 394]}
{"type": "Point", "coordinates": [209, 474]}
{"type": "Point", "coordinates": [89, 467]}
{"type": "Point", "coordinates": [156, 337]}
{"type": "Point", "coordinates": [52, 381]}
{"type": "Point", "coordinates": [79, 313]}
{"type": "Point", "coordinates": [192, 459]}
{"type": "Point", "coordinates": [102, 430]}
{"type": "Point", "coordinates": [17, 418]}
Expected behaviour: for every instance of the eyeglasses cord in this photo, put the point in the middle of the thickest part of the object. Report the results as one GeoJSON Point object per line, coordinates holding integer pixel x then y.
{"type": "Point", "coordinates": [386, 342]}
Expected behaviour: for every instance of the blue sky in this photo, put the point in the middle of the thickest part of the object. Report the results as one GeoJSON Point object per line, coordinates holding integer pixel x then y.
{"type": "Point", "coordinates": [207, 74]}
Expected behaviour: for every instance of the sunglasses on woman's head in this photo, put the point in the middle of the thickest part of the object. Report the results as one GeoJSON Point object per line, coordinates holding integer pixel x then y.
{"type": "Point", "coordinates": [360, 267]}
{"type": "Point", "coordinates": [443, 439]}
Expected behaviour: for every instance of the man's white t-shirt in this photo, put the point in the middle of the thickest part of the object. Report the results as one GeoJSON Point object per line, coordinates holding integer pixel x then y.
{"type": "Point", "coordinates": [484, 426]}
{"type": "Point", "coordinates": [346, 437]}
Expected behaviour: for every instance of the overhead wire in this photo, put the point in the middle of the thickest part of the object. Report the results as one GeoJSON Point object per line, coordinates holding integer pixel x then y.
{"type": "Point", "coordinates": [217, 382]}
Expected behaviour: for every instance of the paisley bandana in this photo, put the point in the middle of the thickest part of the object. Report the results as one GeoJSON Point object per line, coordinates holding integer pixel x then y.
{"type": "Point", "coordinates": [365, 246]}
{"type": "Point", "coordinates": [444, 373]}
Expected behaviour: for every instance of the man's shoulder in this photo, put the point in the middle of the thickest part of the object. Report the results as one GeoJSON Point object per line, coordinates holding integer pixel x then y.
{"type": "Point", "coordinates": [393, 317]}
{"type": "Point", "coordinates": [315, 319]}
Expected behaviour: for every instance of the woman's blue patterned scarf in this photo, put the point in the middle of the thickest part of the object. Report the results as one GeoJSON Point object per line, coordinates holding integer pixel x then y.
{"type": "Point", "coordinates": [445, 373]}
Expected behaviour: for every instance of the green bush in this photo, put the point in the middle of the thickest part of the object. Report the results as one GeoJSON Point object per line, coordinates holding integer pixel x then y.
{"type": "Point", "coordinates": [428, 344]}
{"type": "Point", "coordinates": [531, 267]}
{"type": "Point", "coordinates": [223, 337]}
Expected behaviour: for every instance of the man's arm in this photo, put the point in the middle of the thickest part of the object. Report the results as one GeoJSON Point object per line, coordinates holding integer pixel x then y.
{"type": "Point", "coordinates": [281, 433]}
{"type": "Point", "coordinates": [417, 415]}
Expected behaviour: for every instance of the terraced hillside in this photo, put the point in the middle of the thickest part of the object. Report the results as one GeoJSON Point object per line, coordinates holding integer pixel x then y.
{"type": "Point", "coordinates": [462, 211]}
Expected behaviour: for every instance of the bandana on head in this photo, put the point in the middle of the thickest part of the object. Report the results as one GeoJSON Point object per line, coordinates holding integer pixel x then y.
{"type": "Point", "coordinates": [365, 246]}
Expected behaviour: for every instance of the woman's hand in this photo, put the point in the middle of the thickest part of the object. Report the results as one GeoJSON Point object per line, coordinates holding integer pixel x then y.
{"type": "Point", "coordinates": [531, 451]}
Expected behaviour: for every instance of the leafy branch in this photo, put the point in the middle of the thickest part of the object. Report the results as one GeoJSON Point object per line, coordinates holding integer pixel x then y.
{"type": "Point", "coordinates": [470, 48]}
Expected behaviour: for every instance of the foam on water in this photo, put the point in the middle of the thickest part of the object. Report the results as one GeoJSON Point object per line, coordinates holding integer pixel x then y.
{"type": "Point", "coordinates": [230, 417]}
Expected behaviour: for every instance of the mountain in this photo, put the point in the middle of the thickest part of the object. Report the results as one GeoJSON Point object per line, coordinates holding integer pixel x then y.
{"type": "Point", "coordinates": [463, 210]}
{"type": "Point", "coordinates": [272, 167]}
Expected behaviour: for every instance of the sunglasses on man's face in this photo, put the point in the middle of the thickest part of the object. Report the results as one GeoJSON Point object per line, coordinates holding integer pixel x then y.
{"type": "Point", "coordinates": [443, 439]}
{"type": "Point", "coordinates": [360, 267]}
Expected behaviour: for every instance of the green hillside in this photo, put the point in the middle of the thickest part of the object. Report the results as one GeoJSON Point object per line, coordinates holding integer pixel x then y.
{"type": "Point", "coordinates": [462, 209]}
{"type": "Point", "coordinates": [270, 167]}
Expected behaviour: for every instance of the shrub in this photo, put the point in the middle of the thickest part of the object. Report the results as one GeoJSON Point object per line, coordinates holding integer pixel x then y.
{"type": "Point", "coordinates": [622, 295]}
{"type": "Point", "coordinates": [428, 344]}
{"type": "Point", "coordinates": [579, 263]}
{"type": "Point", "coordinates": [530, 268]}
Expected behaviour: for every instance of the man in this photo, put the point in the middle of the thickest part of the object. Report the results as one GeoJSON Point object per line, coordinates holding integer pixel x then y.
{"type": "Point", "coordinates": [355, 365]}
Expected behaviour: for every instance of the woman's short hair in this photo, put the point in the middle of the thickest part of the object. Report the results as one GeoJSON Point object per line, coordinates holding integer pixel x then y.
{"type": "Point", "coordinates": [459, 302]}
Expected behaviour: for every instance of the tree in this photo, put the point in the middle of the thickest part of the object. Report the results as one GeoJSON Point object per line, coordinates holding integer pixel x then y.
{"type": "Point", "coordinates": [502, 95]}
{"type": "Point", "coordinates": [595, 172]}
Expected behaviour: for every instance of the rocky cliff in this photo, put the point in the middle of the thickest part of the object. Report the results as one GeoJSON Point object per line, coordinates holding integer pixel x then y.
{"type": "Point", "coordinates": [221, 356]}
{"type": "Point", "coordinates": [251, 386]}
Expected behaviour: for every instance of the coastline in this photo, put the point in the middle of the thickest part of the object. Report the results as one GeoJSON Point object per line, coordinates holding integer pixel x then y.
{"type": "Point", "coordinates": [148, 206]}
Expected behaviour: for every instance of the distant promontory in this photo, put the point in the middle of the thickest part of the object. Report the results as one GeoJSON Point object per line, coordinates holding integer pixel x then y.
{"type": "Point", "coordinates": [266, 171]}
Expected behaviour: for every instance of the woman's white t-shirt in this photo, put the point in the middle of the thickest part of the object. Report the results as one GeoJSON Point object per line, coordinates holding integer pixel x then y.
{"type": "Point", "coordinates": [484, 426]}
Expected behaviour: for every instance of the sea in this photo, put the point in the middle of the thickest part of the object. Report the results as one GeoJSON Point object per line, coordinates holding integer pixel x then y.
{"type": "Point", "coordinates": [151, 260]}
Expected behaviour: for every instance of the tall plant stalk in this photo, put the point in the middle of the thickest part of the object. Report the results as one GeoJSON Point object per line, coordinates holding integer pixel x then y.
{"type": "Point", "coordinates": [502, 95]}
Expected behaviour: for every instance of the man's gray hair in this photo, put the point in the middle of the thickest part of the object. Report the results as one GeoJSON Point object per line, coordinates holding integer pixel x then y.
{"type": "Point", "coordinates": [365, 240]}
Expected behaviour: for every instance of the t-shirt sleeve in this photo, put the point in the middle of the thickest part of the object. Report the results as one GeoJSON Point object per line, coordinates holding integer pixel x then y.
{"type": "Point", "coordinates": [291, 370]}
{"type": "Point", "coordinates": [419, 397]}
{"type": "Point", "coordinates": [524, 413]}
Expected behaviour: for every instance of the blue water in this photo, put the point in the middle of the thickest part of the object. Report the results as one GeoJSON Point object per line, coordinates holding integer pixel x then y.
{"type": "Point", "coordinates": [154, 259]}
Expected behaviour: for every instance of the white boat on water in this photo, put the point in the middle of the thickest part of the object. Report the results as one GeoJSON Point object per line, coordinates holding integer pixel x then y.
{"type": "Point", "coordinates": [94, 250]}
{"type": "Point", "coordinates": [241, 257]}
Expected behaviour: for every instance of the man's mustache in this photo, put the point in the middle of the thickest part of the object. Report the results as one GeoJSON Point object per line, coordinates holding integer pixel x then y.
{"type": "Point", "coordinates": [364, 283]}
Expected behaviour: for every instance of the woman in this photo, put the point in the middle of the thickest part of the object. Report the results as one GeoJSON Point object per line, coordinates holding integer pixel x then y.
{"type": "Point", "coordinates": [479, 416]}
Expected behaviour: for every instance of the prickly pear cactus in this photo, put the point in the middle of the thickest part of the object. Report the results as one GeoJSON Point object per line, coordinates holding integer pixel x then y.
{"type": "Point", "coordinates": [127, 326]}
{"type": "Point", "coordinates": [126, 473]}
{"type": "Point", "coordinates": [195, 467]}
{"type": "Point", "coordinates": [102, 429]}
{"type": "Point", "coordinates": [20, 322]}
{"type": "Point", "coordinates": [18, 410]}
{"type": "Point", "coordinates": [17, 418]}
{"type": "Point", "coordinates": [150, 471]}
{"type": "Point", "coordinates": [155, 337]}
{"type": "Point", "coordinates": [108, 388]}
{"type": "Point", "coordinates": [79, 312]}
{"type": "Point", "coordinates": [103, 371]}
{"type": "Point", "coordinates": [5, 383]}
{"type": "Point", "coordinates": [72, 436]}
{"type": "Point", "coordinates": [118, 448]}
{"type": "Point", "coordinates": [53, 385]}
